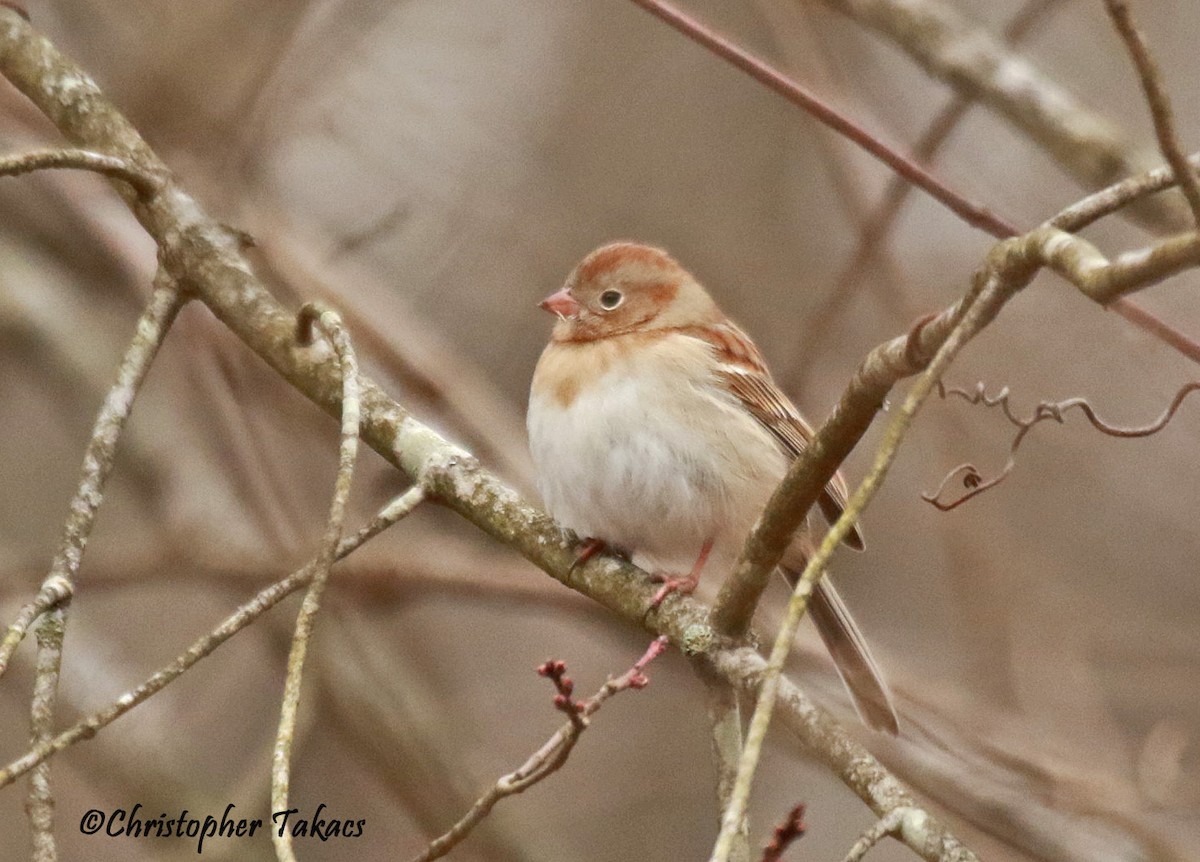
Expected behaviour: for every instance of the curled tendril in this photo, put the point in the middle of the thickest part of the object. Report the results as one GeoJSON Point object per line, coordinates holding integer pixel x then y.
{"type": "Point", "coordinates": [974, 482]}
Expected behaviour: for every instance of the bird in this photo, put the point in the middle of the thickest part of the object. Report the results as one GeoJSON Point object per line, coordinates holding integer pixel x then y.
{"type": "Point", "coordinates": [657, 431]}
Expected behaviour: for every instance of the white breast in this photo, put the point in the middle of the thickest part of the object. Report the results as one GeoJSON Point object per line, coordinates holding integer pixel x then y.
{"type": "Point", "coordinates": [652, 456]}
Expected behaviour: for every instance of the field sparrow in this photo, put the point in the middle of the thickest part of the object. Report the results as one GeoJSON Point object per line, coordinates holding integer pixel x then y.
{"type": "Point", "coordinates": [656, 429]}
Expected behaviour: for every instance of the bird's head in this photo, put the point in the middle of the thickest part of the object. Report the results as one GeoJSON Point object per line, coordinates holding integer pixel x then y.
{"type": "Point", "coordinates": [625, 287]}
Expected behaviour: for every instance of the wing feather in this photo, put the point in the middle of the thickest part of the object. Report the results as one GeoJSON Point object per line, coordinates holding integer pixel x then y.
{"type": "Point", "coordinates": [743, 368]}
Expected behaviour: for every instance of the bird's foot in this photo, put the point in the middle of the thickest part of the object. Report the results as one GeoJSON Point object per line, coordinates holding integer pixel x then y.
{"type": "Point", "coordinates": [591, 547]}
{"type": "Point", "coordinates": [685, 585]}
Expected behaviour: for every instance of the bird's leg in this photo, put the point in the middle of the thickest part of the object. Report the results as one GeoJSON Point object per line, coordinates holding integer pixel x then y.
{"type": "Point", "coordinates": [591, 547]}
{"type": "Point", "coordinates": [685, 585]}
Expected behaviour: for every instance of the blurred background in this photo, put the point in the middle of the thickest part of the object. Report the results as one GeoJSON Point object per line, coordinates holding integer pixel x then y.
{"type": "Point", "coordinates": [433, 168]}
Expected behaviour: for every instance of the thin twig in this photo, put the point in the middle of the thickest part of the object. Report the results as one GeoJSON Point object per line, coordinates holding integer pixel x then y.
{"type": "Point", "coordinates": [54, 591]}
{"type": "Point", "coordinates": [1160, 104]}
{"type": "Point", "coordinates": [547, 759]}
{"type": "Point", "coordinates": [98, 458]}
{"type": "Point", "coordinates": [974, 214]}
{"type": "Point", "coordinates": [331, 325]}
{"type": "Point", "coordinates": [144, 183]}
{"type": "Point", "coordinates": [886, 825]}
{"type": "Point", "coordinates": [1156, 326]}
{"type": "Point", "coordinates": [974, 482]}
{"type": "Point", "coordinates": [204, 646]}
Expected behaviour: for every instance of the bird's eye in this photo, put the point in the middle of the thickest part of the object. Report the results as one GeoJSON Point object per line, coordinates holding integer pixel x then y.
{"type": "Point", "coordinates": [610, 299]}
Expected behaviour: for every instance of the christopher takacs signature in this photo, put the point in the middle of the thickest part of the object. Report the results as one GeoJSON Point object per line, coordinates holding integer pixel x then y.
{"type": "Point", "coordinates": [132, 823]}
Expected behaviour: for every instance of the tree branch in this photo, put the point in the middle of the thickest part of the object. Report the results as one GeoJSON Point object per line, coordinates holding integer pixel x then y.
{"type": "Point", "coordinates": [973, 214]}
{"type": "Point", "coordinates": [1160, 103]}
{"type": "Point", "coordinates": [1010, 266]}
{"type": "Point", "coordinates": [145, 184]}
{"type": "Point", "coordinates": [311, 316]}
{"type": "Point", "coordinates": [98, 458]}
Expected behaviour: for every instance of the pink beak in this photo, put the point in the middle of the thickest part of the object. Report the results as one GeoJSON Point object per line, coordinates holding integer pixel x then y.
{"type": "Point", "coordinates": [560, 303]}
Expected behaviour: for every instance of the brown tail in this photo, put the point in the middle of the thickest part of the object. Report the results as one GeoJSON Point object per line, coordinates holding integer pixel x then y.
{"type": "Point", "coordinates": [851, 656]}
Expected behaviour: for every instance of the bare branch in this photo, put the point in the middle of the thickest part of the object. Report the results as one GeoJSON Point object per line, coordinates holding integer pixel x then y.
{"type": "Point", "coordinates": [875, 230]}
{"type": "Point", "coordinates": [145, 184]}
{"type": "Point", "coordinates": [973, 214]}
{"type": "Point", "coordinates": [54, 592]}
{"type": "Point", "coordinates": [552, 755]}
{"type": "Point", "coordinates": [1160, 103]}
{"type": "Point", "coordinates": [829, 743]}
{"type": "Point", "coordinates": [311, 316]}
{"type": "Point", "coordinates": [98, 458]}
{"type": "Point", "coordinates": [888, 824]}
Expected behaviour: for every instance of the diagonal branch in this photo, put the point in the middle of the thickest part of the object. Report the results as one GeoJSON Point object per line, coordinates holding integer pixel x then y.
{"type": "Point", "coordinates": [973, 214]}
{"type": "Point", "coordinates": [1160, 103]}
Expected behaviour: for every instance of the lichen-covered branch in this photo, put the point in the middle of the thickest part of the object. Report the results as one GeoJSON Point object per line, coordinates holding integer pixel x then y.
{"type": "Point", "coordinates": [98, 460]}
{"type": "Point", "coordinates": [53, 592]}
{"type": "Point", "coordinates": [895, 820]}
{"type": "Point", "coordinates": [829, 743]}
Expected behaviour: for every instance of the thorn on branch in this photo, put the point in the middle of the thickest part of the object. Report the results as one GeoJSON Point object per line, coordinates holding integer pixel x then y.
{"type": "Point", "coordinates": [785, 833]}
{"type": "Point", "coordinates": [974, 482]}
